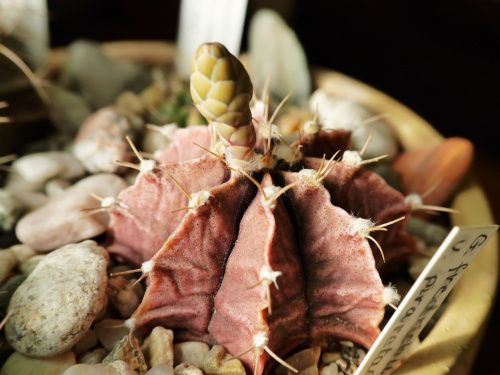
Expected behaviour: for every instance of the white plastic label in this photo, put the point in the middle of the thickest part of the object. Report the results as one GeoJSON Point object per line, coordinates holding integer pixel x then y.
{"type": "Point", "coordinates": [209, 21]}
{"type": "Point", "coordinates": [427, 293]}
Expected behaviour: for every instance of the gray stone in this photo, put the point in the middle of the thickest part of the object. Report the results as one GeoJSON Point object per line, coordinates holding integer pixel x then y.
{"type": "Point", "coordinates": [87, 67]}
{"type": "Point", "coordinates": [7, 262]}
{"type": "Point", "coordinates": [10, 287]}
{"type": "Point", "coordinates": [68, 110]}
{"type": "Point", "coordinates": [59, 300]}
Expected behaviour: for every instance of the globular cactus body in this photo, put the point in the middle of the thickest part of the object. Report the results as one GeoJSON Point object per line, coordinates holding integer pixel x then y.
{"type": "Point", "coordinates": [251, 269]}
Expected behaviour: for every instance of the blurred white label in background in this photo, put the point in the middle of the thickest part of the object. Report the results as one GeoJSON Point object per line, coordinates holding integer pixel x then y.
{"type": "Point", "coordinates": [203, 21]}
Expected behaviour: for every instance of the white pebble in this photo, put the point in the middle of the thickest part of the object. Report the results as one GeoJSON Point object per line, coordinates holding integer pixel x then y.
{"type": "Point", "coordinates": [115, 368]}
{"type": "Point", "coordinates": [158, 347]}
{"type": "Point", "coordinates": [187, 369]}
{"type": "Point", "coordinates": [161, 369]}
{"type": "Point", "coordinates": [331, 369]}
{"type": "Point", "coordinates": [19, 364]}
{"type": "Point", "coordinates": [38, 168]}
{"type": "Point", "coordinates": [58, 302]}
{"type": "Point", "coordinates": [192, 352]}
{"type": "Point", "coordinates": [68, 224]}
{"type": "Point", "coordinates": [56, 186]}
{"type": "Point", "coordinates": [22, 252]}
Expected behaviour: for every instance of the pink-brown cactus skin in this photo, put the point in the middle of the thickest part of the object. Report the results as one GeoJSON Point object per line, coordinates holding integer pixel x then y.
{"type": "Point", "coordinates": [263, 270]}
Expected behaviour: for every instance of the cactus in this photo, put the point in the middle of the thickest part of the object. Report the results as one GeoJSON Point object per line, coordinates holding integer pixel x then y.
{"type": "Point", "coordinates": [262, 258]}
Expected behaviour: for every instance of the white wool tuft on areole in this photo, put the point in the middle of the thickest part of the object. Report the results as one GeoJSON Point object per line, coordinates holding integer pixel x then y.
{"type": "Point", "coordinates": [147, 267]}
{"type": "Point", "coordinates": [360, 226]}
{"type": "Point", "coordinates": [414, 200]}
{"type": "Point", "coordinates": [147, 165]}
{"type": "Point", "coordinates": [270, 192]}
{"type": "Point", "coordinates": [260, 340]}
{"type": "Point", "coordinates": [390, 295]}
{"type": "Point", "coordinates": [352, 158]}
{"type": "Point", "coordinates": [130, 324]}
{"type": "Point", "coordinates": [199, 199]}
{"type": "Point", "coordinates": [108, 202]}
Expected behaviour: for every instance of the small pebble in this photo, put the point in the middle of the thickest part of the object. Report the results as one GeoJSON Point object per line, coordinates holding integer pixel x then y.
{"type": "Point", "coordinates": [86, 342]}
{"type": "Point", "coordinates": [10, 210]}
{"type": "Point", "coordinates": [431, 233]}
{"type": "Point", "coordinates": [22, 252]}
{"type": "Point", "coordinates": [7, 263]}
{"type": "Point", "coordinates": [67, 109]}
{"type": "Point", "coordinates": [68, 224]}
{"type": "Point", "coordinates": [161, 369]}
{"type": "Point", "coordinates": [122, 295]}
{"type": "Point", "coordinates": [158, 347]}
{"type": "Point", "coordinates": [56, 186]}
{"type": "Point", "coordinates": [115, 368]}
{"type": "Point", "coordinates": [16, 182]}
{"type": "Point", "coordinates": [192, 352]}
{"type": "Point", "coordinates": [93, 357]}
{"type": "Point", "coordinates": [101, 141]}
{"type": "Point", "coordinates": [87, 67]}
{"type": "Point", "coordinates": [43, 326]}
{"type": "Point", "coordinates": [331, 369]}
{"type": "Point", "coordinates": [187, 369]}
{"type": "Point", "coordinates": [110, 331]}
{"type": "Point", "coordinates": [19, 364]}
{"type": "Point", "coordinates": [128, 351]}
{"type": "Point", "coordinates": [29, 200]}
{"type": "Point", "coordinates": [30, 264]}
{"type": "Point", "coordinates": [306, 361]}
{"type": "Point", "coordinates": [40, 167]}
{"type": "Point", "coordinates": [328, 357]}
{"type": "Point", "coordinates": [218, 362]}
{"type": "Point", "coordinates": [10, 287]}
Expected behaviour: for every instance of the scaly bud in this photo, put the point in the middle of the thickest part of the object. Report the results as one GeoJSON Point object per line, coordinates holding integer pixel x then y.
{"type": "Point", "coordinates": [221, 90]}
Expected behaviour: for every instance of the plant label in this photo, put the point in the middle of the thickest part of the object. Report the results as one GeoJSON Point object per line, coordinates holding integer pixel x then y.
{"type": "Point", "coordinates": [203, 21]}
{"type": "Point", "coordinates": [427, 293]}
